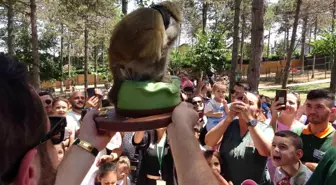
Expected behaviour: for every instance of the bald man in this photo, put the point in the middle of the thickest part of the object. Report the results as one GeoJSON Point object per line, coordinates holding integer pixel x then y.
{"type": "Point", "coordinates": [77, 101]}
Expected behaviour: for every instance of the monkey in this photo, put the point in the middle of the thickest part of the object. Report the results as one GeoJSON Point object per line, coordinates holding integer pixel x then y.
{"type": "Point", "coordinates": [140, 45]}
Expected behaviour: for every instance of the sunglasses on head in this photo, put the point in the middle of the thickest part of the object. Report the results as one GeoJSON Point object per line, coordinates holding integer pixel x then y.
{"type": "Point", "coordinates": [48, 102]}
{"type": "Point", "coordinates": [56, 135]}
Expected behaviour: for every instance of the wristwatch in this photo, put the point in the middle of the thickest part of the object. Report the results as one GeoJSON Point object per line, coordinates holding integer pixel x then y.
{"type": "Point", "coordinates": [86, 146]}
{"type": "Point", "coordinates": [252, 123]}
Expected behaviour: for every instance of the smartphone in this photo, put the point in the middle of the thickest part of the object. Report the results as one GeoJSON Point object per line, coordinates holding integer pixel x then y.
{"type": "Point", "coordinates": [55, 119]}
{"type": "Point", "coordinates": [90, 92]}
{"type": "Point", "coordinates": [281, 96]}
{"type": "Point", "coordinates": [105, 103]}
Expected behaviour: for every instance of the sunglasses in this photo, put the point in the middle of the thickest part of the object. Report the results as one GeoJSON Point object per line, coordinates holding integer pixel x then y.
{"type": "Point", "coordinates": [196, 102]}
{"type": "Point", "coordinates": [56, 135]}
{"type": "Point", "coordinates": [48, 102]}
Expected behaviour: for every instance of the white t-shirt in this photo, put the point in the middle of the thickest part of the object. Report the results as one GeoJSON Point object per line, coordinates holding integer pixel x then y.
{"type": "Point", "coordinates": [73, 121]}
{"type": "Point", "coordinates": [209, 106]}
{"type": "Point", "coordinates": [121, 182]}
{"type": "Point", "coordinates": [114, 143]}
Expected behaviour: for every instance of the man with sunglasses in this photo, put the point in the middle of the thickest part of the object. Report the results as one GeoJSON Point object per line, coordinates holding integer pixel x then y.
{"type": "Point", "coordinates": [47, 101]}
{"type": "Point", "coordinates": [28, 156]}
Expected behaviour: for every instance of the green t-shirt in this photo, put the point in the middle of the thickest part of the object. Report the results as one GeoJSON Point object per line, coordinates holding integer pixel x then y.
{"type": "Point", "coordinates": [325, 173]}
{"type": "Point", "coordinates": [241, 159]}
{"type": "Point", "coordinates": [315, 145]}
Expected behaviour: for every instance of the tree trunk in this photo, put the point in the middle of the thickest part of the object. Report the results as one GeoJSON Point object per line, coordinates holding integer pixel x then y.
{"type": "Point", "coordinates": [269, 42]}
{"type": "Point", "coordinates": [69, 60]}
{"type": "Point", "coordinates": [243, 17]}
{"type": "Point", "coordinates": [86, 37]}
{"type": "Point", "coordinates": [291, 48]}
{"type": "Point", "coordinates": [61, 56]}
{"type": "Point", "coordinates": [257, 43]}
{"type": "Point", "coordinates": [303, 41]}
{"type": "Point", "coordinates": [314, 60]}
{"type": "Point", "coordinates": [333, 71]}
{"type": "Point", "coordinates": [124, 6]}
{"type": "Point", "coordinates": [35, 81]}
{"type": "Point", "coordinates": [235, 44]}
{"type": "Point", "coordinates": [204, 16]}
{"type": "Point", "coordinates": [95, 65]}
{"type": "Point", "coordinates": [10, 28]}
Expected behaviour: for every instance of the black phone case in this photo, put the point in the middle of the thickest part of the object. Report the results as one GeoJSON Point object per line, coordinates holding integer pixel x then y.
{"type": "Point", "coordinates": [281, 95]}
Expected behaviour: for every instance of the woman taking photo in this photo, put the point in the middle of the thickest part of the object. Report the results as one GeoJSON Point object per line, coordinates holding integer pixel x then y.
{"type": "Point", "coordinates": [245, 142]}
{"type": "Point", "coordinates": [284, 120]}
{"type": "Point", "coordinates": [157, 161]}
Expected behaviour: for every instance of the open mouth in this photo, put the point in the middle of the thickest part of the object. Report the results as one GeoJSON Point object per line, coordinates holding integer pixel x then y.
{"type": "Point", "coordinates": [276, 158]}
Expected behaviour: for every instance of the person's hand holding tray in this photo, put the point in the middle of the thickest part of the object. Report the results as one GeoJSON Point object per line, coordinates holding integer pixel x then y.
{"type": "Point", "coordinates": [141, 106]}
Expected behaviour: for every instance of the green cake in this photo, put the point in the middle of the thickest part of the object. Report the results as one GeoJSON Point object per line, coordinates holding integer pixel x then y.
{"type": "Point", "coordinates": [138, 99]}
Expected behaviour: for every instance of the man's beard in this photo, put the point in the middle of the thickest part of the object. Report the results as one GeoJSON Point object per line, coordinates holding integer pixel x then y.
{"type": "Point", "coordinates": [320, 120]}
{"type": "Point", "coordinates": [48, 172]}
{"type": "Point", "coordinates": [78, 106]}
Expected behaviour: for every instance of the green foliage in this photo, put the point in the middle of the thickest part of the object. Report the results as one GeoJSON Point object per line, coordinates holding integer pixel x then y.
{"type": "Point", "coordinates": [325, 45]}
{"type": "Point", "coordinates": [209, 52]}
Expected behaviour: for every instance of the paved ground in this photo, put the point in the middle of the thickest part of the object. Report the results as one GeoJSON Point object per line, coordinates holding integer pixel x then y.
{"type": "Point", "coordinates": [296, 84]}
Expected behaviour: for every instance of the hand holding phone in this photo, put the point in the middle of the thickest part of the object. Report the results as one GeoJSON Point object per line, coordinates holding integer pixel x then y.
{"type": "Point", "coordinates": [281, 98]}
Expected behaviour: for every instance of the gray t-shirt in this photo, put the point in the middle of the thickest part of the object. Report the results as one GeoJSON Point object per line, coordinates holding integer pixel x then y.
{"type": "Point", "coordinates": [241, 159]}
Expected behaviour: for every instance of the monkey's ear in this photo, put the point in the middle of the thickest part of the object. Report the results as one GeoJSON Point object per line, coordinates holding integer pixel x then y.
{"type": "Point", "coordinates": [150, 44]}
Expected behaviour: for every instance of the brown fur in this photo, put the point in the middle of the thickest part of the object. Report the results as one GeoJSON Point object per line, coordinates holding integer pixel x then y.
{"type": "Point", "coordinates": [140, 44]}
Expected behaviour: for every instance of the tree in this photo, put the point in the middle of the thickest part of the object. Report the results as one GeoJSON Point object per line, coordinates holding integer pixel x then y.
{"type": "Point", "coordinates": [35, 78]}
{"type": "Point", "coordinates": [235, 45]}
{"type": "Point", "coordinates": [303, 41]}
{"type": "Point", "coordinates": [10, 27]}
{"type": "Point", "coordinates": [257, 43]}
{"type": "Point", "coordinates": [124, 6]}
{"type": "Point", "coordinates": [291, 48]}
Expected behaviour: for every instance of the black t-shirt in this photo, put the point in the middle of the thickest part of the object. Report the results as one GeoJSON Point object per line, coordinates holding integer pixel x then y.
{"type": "Point", "coordinates": [150, 163]}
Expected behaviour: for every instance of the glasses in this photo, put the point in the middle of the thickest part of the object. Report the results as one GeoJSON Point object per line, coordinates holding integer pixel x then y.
{"type": "Point", "coordinates": [56, 135]}
{"type": "Point", "coordinates": [197, 102]}
{"type": "Point", "coordinates": [48, 102]}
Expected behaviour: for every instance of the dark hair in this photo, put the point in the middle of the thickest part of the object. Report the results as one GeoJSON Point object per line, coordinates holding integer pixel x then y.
{"type": "Point", "coordinates": [323, 94]}
{"type": "Point", "coordinates": [243, 85]}
{"type": "Point", "coordinates": [209, 153]}
{"type": "Point", "coordinates": [105, 168]}
{"type": "Point", "coordinates": [295, 138]}
{"type": "Point", "coordinates": [43, 93]}
{"type": "Point", "coordinates": [22, 117]}
{"type": "Point", "coordinates": [188, 89]}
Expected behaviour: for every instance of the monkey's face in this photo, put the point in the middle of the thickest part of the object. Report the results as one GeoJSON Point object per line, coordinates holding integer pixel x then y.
{"type": "Point", "coordinates": [172, 31]}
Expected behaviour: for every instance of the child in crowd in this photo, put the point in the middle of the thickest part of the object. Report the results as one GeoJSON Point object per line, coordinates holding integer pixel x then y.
{"type": "Point", "coordinates": [123, 169]}
{"type": "Point", "coordinates": [214, 161]}
{"type": "Point", "coordinates": [286, 153]}
{"type": "Point", "coordinates": [60, 149]}
{"type": "Point", "coordinates": [107, 174]}
{"type": "Point", "coordinates": [217, 108]}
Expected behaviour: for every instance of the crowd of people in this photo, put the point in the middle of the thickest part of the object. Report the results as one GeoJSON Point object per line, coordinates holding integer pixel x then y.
{"type": "Point", "coordinates": [213, 139]}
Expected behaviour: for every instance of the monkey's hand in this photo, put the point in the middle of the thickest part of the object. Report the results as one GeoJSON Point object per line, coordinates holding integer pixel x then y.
{"type": "Point", "coordinates": [167, 78]}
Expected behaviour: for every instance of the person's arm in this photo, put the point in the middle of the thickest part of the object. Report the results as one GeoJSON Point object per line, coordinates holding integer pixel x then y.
{"type": "Point", "coordinates": [214, 114]}
{"type": "Point", "coordinates": [275, 114]}
{"type": "Point", "coordinates": [214, 136]}
{"type": "Point", "coordinates": [262, 140]}
{"type": "Point", "coordinates": [191, 166]}
{"type": "Point", "coordinates": [311, 166]}
{"type": "Point", "coordinates": [226, 107]}
{"type": "Point", "coordinates": [138, 137]}
{"type": "Point", "coordinates": [78, 161]}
